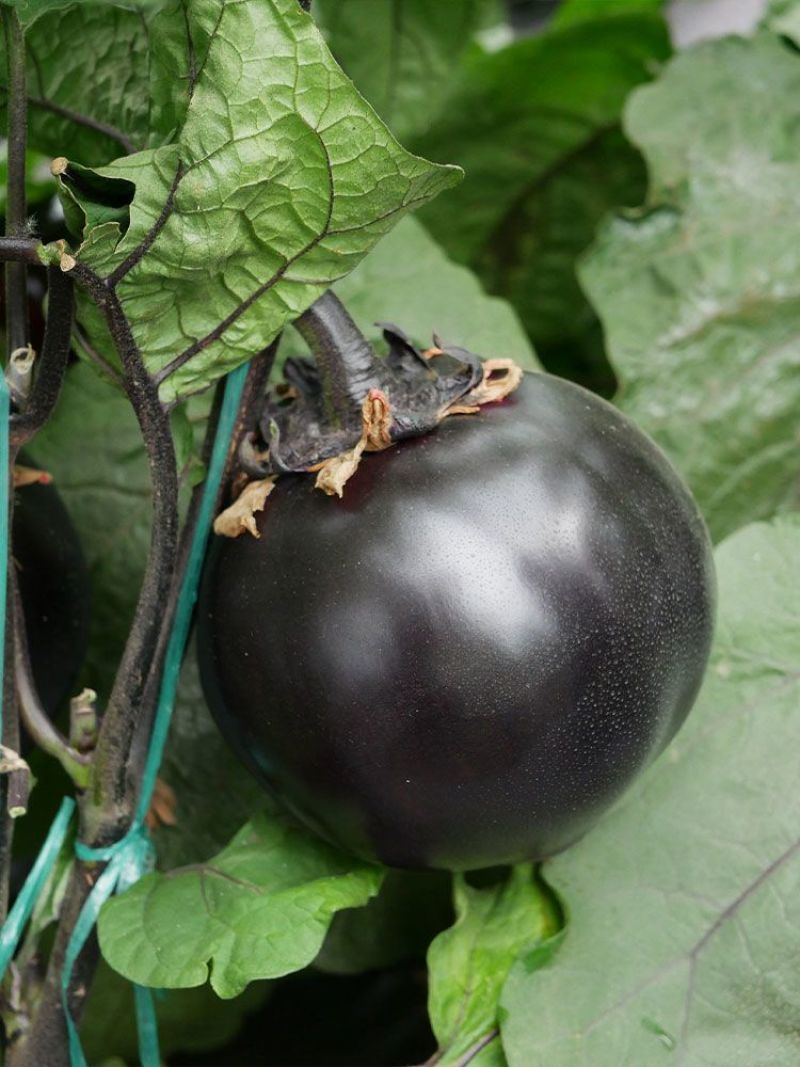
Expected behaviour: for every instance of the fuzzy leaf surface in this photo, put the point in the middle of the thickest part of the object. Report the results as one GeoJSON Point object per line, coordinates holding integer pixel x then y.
{"type": "Point", "coordinates": [280, 179]}
{"type": "Point", "coordinates": [699, 292]}
{"type": "Point", "coordinates": [259, 909]}
{"type": "Point", "coordinates": [684, 902]}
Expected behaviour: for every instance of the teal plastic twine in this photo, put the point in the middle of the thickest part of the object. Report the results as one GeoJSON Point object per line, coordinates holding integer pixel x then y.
{"type": "Point", "coordinates": [130, 858]}
{"type": "Point", "coordinates": [34, 884]}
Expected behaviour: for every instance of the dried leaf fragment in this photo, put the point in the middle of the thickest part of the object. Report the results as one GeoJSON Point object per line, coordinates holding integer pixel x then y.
{"type": "Point", "coordinates": [336, 472]}
{"type": "Point", "coordinates": [30, 476]}
{"type": "Point", "coordinates": [240, 516]}
{"type": "Point", "coordinates": [376, 422]}
{"type": "Point", "coordinates": [162, 806]}
{"type": "Point", "coordinates": [500, 378]}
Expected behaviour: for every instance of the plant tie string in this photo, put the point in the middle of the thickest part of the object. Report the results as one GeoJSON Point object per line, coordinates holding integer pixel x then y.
{"type": "Point", "coordinates": [133, 855]}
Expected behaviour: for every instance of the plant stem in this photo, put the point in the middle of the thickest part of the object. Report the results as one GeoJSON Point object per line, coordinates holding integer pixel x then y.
{"type": "Point", "coordinates": [19, 250]}
{"type": "Point", "coordinates": [37, 721]}
{"type": "Point", "coordinates": [345, 360]}
{"type": "Point", "coordinates": [51, 365]}
{"type": "Point", "coordinates": [108, 807]}
{"type": "Point", "coordinates": [16, 337]}
{"type": "Point", "coordinates": [46, 1041]}
{"type": "Point", "coordinates": [16, 209]}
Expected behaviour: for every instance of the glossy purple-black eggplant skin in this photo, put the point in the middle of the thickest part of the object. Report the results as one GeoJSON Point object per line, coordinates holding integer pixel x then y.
{"type": "Point", "coordinates": [54, 588]}
{"type": "Point", "coordinates": [467, 659]}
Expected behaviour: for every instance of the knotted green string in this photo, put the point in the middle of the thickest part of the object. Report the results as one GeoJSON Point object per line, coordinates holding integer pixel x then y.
{"type": "Point", "coordinates": [132, 856]}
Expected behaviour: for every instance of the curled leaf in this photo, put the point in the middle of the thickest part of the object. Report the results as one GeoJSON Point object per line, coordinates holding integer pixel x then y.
{"type": "Point", "coordinates": [240, 516]}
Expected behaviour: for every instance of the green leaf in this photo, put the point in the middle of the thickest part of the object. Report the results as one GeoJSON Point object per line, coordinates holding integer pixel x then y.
{"type": "Point", "coordinates": [408, 280]}
{"type": "Point", "coordinates": [31, 11]}
{"type": "Point", "coordinates": [572, 11]}
{"type": "Point", "coordinates": [469, 963]}
{"type": "Point", "coordinates": [537, 128]}
{"type": "Point", "coordinates": [92, 446]}
{"type": "Point", "coordinates": [783, 16]}
{"type": "Point", "coordinates": [87, 78]}
{"type": "Point", "coordinates": [401, 53]}
{"type": "Point", "coordinates": [699, 292]}
{"type": "Point", "coordinates": [684, 902]}
{"type": "Point", "coordinates": [280, 180]}
{"type": "Point", "coordinates": [260, 909]}
{"type": "Point", "coordinates": [189, 1020]}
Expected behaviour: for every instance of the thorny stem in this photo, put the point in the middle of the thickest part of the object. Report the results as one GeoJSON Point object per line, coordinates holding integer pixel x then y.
{"type": "Point", "coordinates": [344, 358]}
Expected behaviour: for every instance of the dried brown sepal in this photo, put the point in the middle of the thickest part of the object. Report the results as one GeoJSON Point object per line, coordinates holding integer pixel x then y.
{"type": "Point", "coordinates": [432, 352]}
{"type": "Point", "coordinates": [337, 471]}
{"type": "Point", "coordinates": [500, 378]}
{"type": "Point", "coordinates": [30, 476]}
{"type": "Point", "coordinates": [376, 422]}
{"type": "Point", "coordinates": [162, 807]}
{"type": "Point", "coordinates": [376, 416]}
{"type": "Point", "coordinates": [240, 516]}
{"type": "Point", "coordinates": [462, 409]}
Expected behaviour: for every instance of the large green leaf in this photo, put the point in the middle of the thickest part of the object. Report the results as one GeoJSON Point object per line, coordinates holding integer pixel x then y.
{"type": "Point", "coordinates": [469, 963]}
{"type": "Point", "coordinates": [408, 280]}
{"type": "Point", "coordinates": [260, 909]}
{"type": "Point", "coordinates": [30, 11]}
{"type": "Point", "coordinates": [536, 127]}
{"type": "Point", "coordinates": [699, 293]}
{"type": "Point", "coordinates": [87, 80]}
{"type": "Point", "coordinates": [279, 181]}
{"type": "Point", "coordinates": [684, 903]}
{"type": "Point", "coordinates": [401, 53]}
